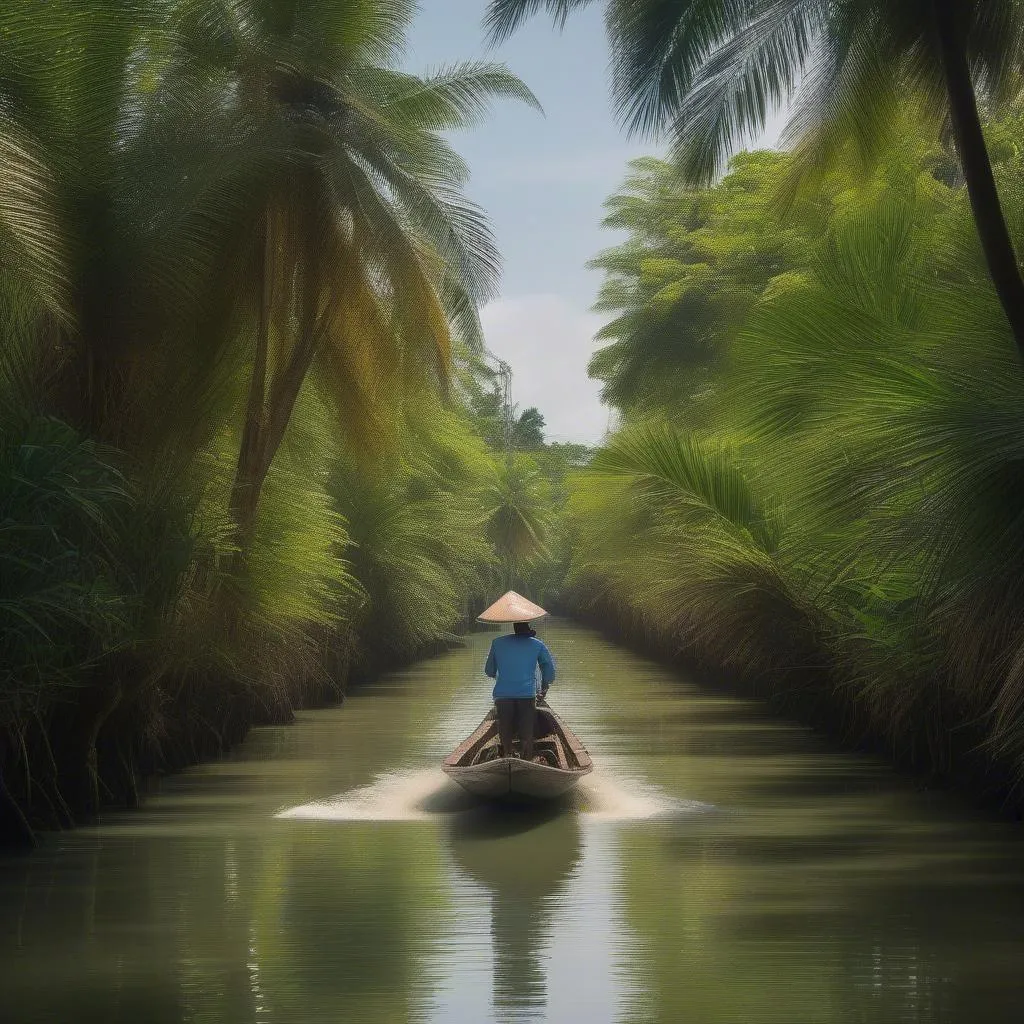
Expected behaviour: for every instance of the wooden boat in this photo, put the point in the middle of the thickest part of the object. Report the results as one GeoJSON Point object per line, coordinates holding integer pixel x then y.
{"type": "Point", "coordinates": [476, 764]}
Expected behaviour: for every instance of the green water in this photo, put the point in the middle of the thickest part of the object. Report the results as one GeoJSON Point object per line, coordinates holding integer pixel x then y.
{"type": "Point", "coordinates": [720, 866]}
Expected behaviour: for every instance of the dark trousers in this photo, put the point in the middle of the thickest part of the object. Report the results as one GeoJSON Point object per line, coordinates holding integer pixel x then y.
{"type": "Point", "coordinates": [515, 718]}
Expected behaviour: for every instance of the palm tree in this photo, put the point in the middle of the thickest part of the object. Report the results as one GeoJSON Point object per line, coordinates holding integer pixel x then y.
{"type": "Point", "coordinates": [362, 258]}
{"type": "Point", "coordinates": [713, 72]}
{"type": "Point", "coordinates": [193, 192]}
{"type": "Point", "coordinates": [670, 534]}
{"type": "Point", "coordinates": [519, 516]}
{"type": "Point", "coordinates": [417, 526]}
{"type": "Point", "coordinates": [192, 176]}
{"type": "Point", "coordinates": [65, 72]}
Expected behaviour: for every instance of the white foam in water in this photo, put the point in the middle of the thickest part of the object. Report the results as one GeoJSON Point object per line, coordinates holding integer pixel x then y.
{"type": "Point", "coordinates": [428, 795]}
{"type": "Point", "coordinates": [404, 796]}
{"type": "Point", "coordinates": [602, 796]}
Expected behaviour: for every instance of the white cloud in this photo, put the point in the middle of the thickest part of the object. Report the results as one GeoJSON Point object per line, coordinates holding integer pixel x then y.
{"type": "Point", "coordinates": [548, 342]}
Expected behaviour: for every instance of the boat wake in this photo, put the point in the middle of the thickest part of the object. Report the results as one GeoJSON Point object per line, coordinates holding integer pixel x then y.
{"type": "Point", "coordinates": [429, 795]}
{"type": "Point", "coordinates": [401, 796]}
{"type": "Point", "coordinates": [605, 796]}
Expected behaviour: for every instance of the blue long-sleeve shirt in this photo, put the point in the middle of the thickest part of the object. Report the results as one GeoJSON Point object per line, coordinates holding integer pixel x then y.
{"type": "Point", "coordinates": [513, 662]}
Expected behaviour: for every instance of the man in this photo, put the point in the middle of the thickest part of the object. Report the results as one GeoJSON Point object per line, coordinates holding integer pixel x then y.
{"type": "Point", "coordinates": [513, 662]}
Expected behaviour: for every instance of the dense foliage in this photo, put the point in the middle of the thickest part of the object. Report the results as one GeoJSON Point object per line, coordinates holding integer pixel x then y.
{"type": "Point", "coordinates": [251, 445]}
{"type": "Point", "coordinates": [816, 483]}
{"type": "Point", "coordinates": [239, 459]}
{"type": "Point", "coordinates": [820, 492]}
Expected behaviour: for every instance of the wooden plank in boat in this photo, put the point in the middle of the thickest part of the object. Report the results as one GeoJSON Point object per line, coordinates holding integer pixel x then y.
{"type": "Point", "coordinates": [577, 748]}
{"type": "Point", "coordinates": [475, 739]}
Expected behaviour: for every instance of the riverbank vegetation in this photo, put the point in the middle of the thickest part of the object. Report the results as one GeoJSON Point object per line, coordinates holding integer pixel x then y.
{"type": "Point", "coordinates": [240, 459]}
{"type": "Point", "coordinates": [815, 358]}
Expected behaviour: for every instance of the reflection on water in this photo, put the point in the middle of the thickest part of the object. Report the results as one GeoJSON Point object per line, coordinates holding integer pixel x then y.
{"type": "Point", "coordinates": [521, 858]}
{"type": "Point", "coordinates": [719, 867]}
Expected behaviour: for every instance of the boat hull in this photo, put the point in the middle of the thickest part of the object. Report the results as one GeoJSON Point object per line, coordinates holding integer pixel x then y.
{"type": "Point", "coordinates": [509, 778]}
{"type": "Point", "coordinates": [476, 765]}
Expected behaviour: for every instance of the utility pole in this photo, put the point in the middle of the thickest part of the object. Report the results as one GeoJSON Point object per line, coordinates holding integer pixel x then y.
{"type": "Point", "coordinates": [505, 377]}
{"type": "Point", "coordinates": [507, 423]}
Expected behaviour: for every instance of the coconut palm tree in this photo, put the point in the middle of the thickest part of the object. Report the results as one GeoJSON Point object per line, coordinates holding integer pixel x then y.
{"type": "Point", "coordinates": [198, 176]}
{"type": "Point", "coordinates": [362, 256]}
{"type": "Point", "coordinates": [194, 193]}
{"type": "Point", "coordinates": [712, 72]}
{"type": "Point", "coordinates": [519, 516]}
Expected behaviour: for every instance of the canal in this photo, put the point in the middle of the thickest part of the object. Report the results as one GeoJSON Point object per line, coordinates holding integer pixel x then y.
{"type": "Point", "coordinates": [720, 867]}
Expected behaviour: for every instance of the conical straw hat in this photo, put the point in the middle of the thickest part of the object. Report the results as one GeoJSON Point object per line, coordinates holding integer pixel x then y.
{"type": "Point", "coordinates": [511, 607]}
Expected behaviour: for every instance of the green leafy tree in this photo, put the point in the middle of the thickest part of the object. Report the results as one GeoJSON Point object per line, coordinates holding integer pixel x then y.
{"type": "Point", "coordinates": [501, 426]}
{"type": "Point", "coordinates": [489, 415]}
{"type": "Point", "coordinates": [693, 264]}
{"type": "Point", "coordinates": [528, 429]}
{"type": "Point", "coordinates": [845, 529]}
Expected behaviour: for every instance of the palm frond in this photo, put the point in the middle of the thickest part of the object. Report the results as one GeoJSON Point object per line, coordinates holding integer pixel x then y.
{"type": "Point", "coordinates": [450, 98]}
{"type": "Point", "coordinates": [505, 17]}
{"type": "Point", "coordinates": [32, 238]}
{"type": "Point", "coordinates": [698, 480]}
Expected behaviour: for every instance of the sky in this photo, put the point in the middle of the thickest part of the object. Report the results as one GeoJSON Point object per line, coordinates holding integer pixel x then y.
{"type": "Point", "coordinates": [542, 180]}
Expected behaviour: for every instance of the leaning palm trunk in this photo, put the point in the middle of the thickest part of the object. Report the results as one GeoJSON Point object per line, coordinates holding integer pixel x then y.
{"type": "Point", "coordinates": [272, 397]}
{"type": "Point", "coordinates": [245, 490]}
{"type": "Point", "coordinates": [977, 167]}
{"type": "Point", "coordinates": [371, 257]}
{"type": "Point", "coordinates": [285, 389]}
